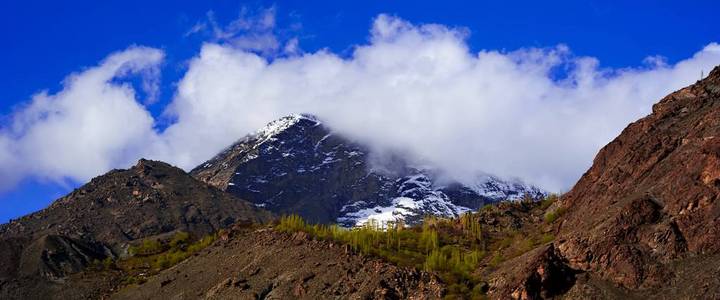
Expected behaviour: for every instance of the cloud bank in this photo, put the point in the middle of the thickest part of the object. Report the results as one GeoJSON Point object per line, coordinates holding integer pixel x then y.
{"type": "Point", "coordinates": [537, 114]}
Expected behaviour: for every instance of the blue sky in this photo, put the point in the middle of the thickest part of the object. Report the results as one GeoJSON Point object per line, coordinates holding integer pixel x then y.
{"type": "Point", "coordinates": [44, 41]}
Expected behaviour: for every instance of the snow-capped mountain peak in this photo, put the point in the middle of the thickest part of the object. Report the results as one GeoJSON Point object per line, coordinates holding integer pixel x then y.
{"type": "Point", "coordinates": [296, 164]}
{"type": "Point", "coordinates": [284, 123]}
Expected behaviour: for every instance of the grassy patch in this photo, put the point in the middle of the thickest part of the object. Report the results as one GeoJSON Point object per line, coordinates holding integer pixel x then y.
{"type": "Point", "coordinates": [152, 255]}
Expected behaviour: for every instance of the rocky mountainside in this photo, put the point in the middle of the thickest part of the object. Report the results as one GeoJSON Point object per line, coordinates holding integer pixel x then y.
{"type": "Point", "coordinates": [645, 219]}
{"type": "Point", "coordinates": [265, 264]}
{"type": "Point", "coordinates": [298, 165]}
{"type": "Point", "coordinates": [104, 217]}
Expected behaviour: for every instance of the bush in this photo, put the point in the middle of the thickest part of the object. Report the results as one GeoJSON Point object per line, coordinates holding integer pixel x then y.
{"type": "Point", "coordinates": [546, 238]}
{"type": "Point", "coordinates": [550, 217]}
{"type": "Point", "coordinates": [291, 223]}
{"type": "Point", "coordinates": [496, 259]}
{"type": "Point", "coordinates": [179, 239]}
{"type": "Point", "coordinates": [108, 263]}
{"type": "Point", "coordinates": [148, 247]}
{"type": "Point", "coordinates": [549, 200]}
{"type": "Point", "coordinates": [134, 280]}
{"type": "Point", "coordinates": [436, 261]}
{"type": "Point", "coordinates": [470, 223]}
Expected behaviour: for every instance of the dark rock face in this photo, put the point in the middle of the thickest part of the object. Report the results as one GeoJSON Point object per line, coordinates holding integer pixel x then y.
{"type": "Point", "coordinates": [102, 218]}
{"type": "Point", "coordinates": [298, 165]}
{"type": "Point", "coordinates": [54, 256]}
{"type": "Point", "coordinates": [538, 274]}
{"type": "Point", "coordinates": [266, 264]}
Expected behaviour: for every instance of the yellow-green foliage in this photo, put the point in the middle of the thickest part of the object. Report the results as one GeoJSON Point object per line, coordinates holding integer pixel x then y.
{"type": "Point", "coordinates": [148, 247]}
{"type": "Point", "coordinates": [181, 238]}
{"type": "Point", "coordinates": [429, 240]}
{"type": "Point", "coordinates": [291, 223]}
{"type": "Point", "coordinates": [452, 259]}
{"type": "Point", "coordinates": [546, 238]}
{"type": "Point", "coordinates": [420, 247]}
{"type": "Point", "coordinates": [496, 259]}
{"type": "Point", "coordinates": [471, 225]}
{"type": "Point", "coordinates": [154, 254]}
{"type": "Point", "coordinates": [130, 279]}
{"type": "Point", "coordinates": [549, 200]}
{"type": "Point", "coordinates": [108, 263]}
{"type": "Point", "coordinates": [550, 217]}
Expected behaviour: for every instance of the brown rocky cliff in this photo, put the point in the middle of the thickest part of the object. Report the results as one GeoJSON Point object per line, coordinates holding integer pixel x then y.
{"type": "Point", "coordinates": [651, 196]}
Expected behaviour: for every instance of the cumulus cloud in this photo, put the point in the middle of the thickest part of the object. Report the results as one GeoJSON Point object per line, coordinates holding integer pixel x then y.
{"type": "Point", "coordinates": [419, 89]}
{"type": "Point", "coordinates": [414, 89]}
{"type": "Point", "coordinates": [94, 124]}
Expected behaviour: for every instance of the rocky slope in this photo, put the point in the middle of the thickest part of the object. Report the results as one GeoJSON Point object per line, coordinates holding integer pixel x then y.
{"type": "Point", "coordinates": [265, 264]}
{"type": "Point", "coordinates": [102, 218]}
{"type": "Point", "coordinates": [645, 219]}
{"type": "Point", "coordinates": [298, 165]}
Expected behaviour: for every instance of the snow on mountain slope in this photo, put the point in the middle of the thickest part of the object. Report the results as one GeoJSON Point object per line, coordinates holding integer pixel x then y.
{"type": "Point", "coordinates": [298, 165]}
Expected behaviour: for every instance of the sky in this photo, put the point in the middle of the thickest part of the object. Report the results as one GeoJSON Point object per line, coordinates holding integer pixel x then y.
{"type": "Point", "coordinates": [527, 90]}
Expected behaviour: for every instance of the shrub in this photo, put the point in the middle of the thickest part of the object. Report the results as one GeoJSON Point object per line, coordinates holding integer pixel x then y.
{"type": "Point", "coordinates": [291, 223]}
{"type": "Point", "coordinates": [436, 261]}
{"type": "Point", "coordinates": [108, 263]}
{"type": "Point", "coordinates": [179, 239]}
{"type": "Point", "coordinates": [134, 280]}
{"type": "Point", "coordinates": [549, 200]}
{"type": "Point", "coordinates": [470, 223]}
{"type": "Point", "coordinates": [546, 238]}
{"type": "Point", "coordinates": [148, 247]}
{"type": "Point", "coordinates": [496, 259]}
{"type": "Point", "coordinates": [479, 290]}
{"type": "Point", "coordinates": [550, 217]}
{"type": "Point", "coordinates": [429, 240]}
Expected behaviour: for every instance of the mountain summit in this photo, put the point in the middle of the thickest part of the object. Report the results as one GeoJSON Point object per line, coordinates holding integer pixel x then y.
{"type": "Point", "coordinates": [297, 164]}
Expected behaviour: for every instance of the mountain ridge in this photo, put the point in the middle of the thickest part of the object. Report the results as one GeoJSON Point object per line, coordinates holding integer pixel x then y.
{"type": "Point", "coordinates": [103, 218]}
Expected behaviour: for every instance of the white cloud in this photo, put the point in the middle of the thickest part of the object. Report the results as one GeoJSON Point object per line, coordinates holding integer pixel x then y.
{"type": "Point", "coordinates": [419, 89]}
{"type": "Point", "coordinates": [253, 31]}
{"type": "Point", "coordinates": [412, 88]}
{"type": "Point", "coordinates": [89, 127]}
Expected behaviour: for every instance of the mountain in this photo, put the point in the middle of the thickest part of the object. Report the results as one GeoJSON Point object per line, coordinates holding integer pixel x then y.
{"type": "Point", "coordinates": [104, 217]}
{"type": "Point", "coordinates": [297, 164]}
{"type": "Point", "coordinates": [644, 221]}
